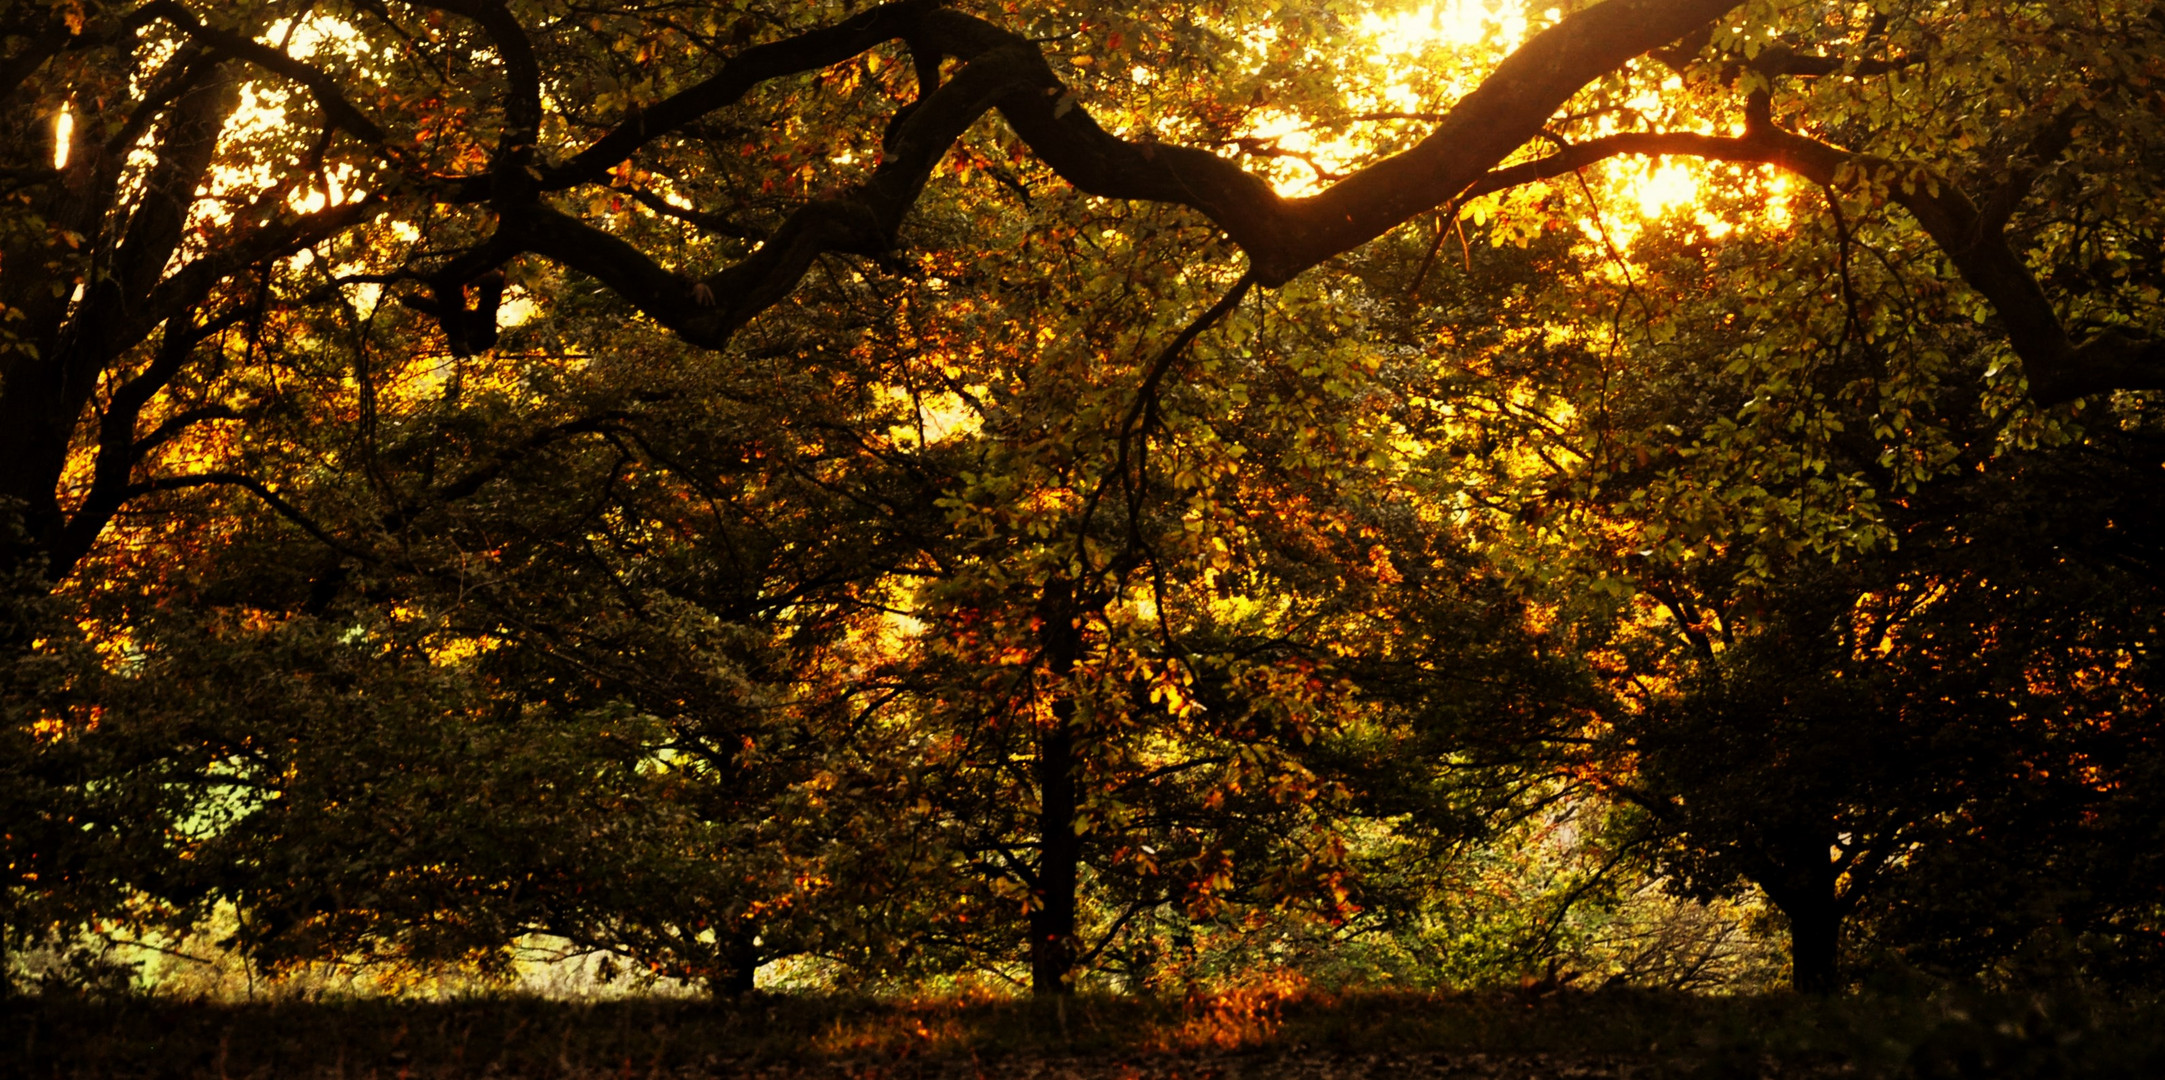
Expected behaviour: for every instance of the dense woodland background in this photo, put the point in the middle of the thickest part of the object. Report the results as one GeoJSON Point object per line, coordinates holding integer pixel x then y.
{"type": "Point", "coordinates": [1120, 496]}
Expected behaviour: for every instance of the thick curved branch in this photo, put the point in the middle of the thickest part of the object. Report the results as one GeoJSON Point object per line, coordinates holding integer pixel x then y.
{"type": "Point", "coordinates": [862, 221]}
{"type": "Point", "coordinates": [796, 55]}
{"type": "Point", "coordinates": [1284, 237]}
{"type": "Point", "coordinates": [1973, 239]}
{"type": "Point", "coordinates": [1003, 70]}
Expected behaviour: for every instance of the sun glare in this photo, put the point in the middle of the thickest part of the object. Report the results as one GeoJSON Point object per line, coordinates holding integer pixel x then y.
{"type": "Point", "coordinates": [1421, 51]}
{"type": "Point", "coordinates": [304, 39]}
{"type": "Point", "coordinates": [1414, 31]}
{"type": "Point", "coordinates": [1663, 186]}
{"type": "Point", "coordinates": [63, 135]}
{"type": "Point", "coordinates": [1428, 55]}
{"type": "Point", "coordinates": [1433, 53]}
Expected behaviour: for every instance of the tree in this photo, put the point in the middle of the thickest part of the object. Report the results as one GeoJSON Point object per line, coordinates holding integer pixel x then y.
{"type": "Point", "coordinates": [1866, 726]}
{"type": "Point", "coordinates": [153, 260]}
{"type": "Point", "coordinates": [1854, 616]}
{"type": "Point", "coordinates": [747, 183]}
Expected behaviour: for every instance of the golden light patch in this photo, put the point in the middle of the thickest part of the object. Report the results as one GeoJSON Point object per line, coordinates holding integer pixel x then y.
{"type": "Point", "coordinates": [63, 135]}
{"type": "Point", "coordinates": [1457, 23]}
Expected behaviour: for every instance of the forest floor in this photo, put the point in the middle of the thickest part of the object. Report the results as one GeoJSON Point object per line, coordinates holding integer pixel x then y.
{"type": "Point", "coordinates": [1253, 1035]}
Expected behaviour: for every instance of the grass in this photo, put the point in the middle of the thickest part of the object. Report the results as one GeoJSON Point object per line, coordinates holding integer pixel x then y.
{"type": "Point", "coordinates": [1258, 1030]}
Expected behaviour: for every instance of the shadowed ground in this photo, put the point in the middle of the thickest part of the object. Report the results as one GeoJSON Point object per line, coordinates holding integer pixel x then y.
{"type": "Point", "coordinates": [1229, 1036]}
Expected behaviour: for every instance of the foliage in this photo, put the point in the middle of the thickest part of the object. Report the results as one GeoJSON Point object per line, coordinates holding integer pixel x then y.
{"type": "Point", "coordinates": [1101, 495]}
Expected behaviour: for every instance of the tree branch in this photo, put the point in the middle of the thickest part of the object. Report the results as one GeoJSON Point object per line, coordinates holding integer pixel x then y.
{"type": "Point", "coordinates": [1005, 70]}
{"type": "Point", "coordinates": [320, 86]}
{"type": "Point", "coordinates": [508, 175]}
{"type": "Point", "coordinates": [1973, 239]}
{"type": "Point", "coordinates": [261, 491]}
{"type": "Point", "coordinates": [861, 221]}
{"type": "Point", "coordinates": [805, 52]}
{"type": "Point", "coordinates": [713, 223]}
{"type": "Point", "coordinates": [1284, 237]}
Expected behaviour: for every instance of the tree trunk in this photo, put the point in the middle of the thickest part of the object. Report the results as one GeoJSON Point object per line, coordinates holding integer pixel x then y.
{"type": "Point", "coordinates": [1814, 945]}
{"type": "Point", "coordinates": [740, 980]}
{"type": "Point", "coordinates": [1052, 919]}
{"type": "Point", "coordinates": [1797, 869]}
{"type": "Point", "coordinates": [1052, 914]}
